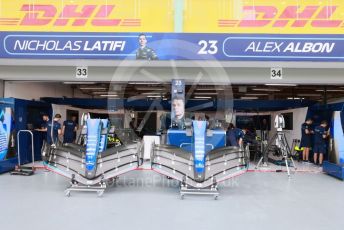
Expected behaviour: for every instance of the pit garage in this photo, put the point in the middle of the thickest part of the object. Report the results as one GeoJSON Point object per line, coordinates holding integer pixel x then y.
{"type": "Point", "coordinates": [220, 113]}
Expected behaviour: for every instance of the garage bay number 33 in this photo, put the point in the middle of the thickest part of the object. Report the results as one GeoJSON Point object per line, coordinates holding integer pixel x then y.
{"type": "Point", "coordinates": [81, 72]}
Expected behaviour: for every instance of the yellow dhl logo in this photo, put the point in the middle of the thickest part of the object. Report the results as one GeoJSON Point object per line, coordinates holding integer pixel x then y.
{"type": "Point", "coordinates": [41, 15]}
{"type": "Point", "coordinates": [293, 16]}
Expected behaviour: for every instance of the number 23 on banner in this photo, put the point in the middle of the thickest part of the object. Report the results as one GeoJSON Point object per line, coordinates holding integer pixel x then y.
{"type": "Point", "coordinates": [208, 47]}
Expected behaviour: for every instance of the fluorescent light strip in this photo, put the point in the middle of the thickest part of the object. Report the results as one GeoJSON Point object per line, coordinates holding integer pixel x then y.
{"type": "Point", "coordinates": [79, 83]}
{"type": "Point", "coordinates": [198, 97]}
{"type": "Point", "coordinates": [296, 98]}
{"type": "Point", "coordinates": [210, 89]}
{"type": "Point", "coordinates": [153, 96]}
{"type": "Point", "coordinates": [93, 88]}
{"type": "Point", "coordinates": [108, 95]}
{"type": "Point", "coordinates": [249, 98]}
{"type": "Point", "coordinates": [281, 84]}
{"type": "Point", "coordinates": [204, 93]}
{"type": "Point", "coordinates": [149, 93]}
{"type": "Point", "coordinates": [144, 83]}
{"type": "Point", "coordinates": [267, 89]}
{"type": "Point", "coordinates": [103, 92]}
{"type": "Point", "coordinates": [256, 94]}
{"type": "Point", "coordinates": [330, 90]}
{"type": "Point", "coordinates": [308, 95]}
{"type": "Point", "coordinates": [149, 88]}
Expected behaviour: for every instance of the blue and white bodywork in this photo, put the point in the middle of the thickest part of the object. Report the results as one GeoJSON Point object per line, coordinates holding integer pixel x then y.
{"type": "Point", "coordinates": [94, 163]}
{"type": "Point", "coordinates": [198, 157]}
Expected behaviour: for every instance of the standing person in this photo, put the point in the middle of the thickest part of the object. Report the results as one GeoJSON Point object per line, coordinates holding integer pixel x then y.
{"type": "Point", "coordinates": [306, 139]}
{"type": "Point", "coordinates": [44, 126]}
{"type": "Point", "coordinates": [234, 136]}
{"type": "Point", "coordinates": [320, 135]}
{"type": "Point", "coordinates": [69, 129]}
{"type": "Point", "coordinates": [144, 52]}
{"type": "Point", "coordinates": [74, 118]}
{"type": "Point", "coordinates": [52, 129]}
{"type": "Point", "coordinates": [264, 130]}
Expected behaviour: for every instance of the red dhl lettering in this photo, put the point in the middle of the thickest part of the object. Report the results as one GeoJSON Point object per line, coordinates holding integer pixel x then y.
{"type": "Point", "coordinates": [293, 16]}
{"type": "Point", "coordinates": [74, 15]}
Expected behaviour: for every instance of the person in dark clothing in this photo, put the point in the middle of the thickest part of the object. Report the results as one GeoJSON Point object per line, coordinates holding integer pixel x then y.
{"type": "Point", "coordinates": [69, 130]}
{"type": "Point", "coordinates": [320, 135]}
{"type": "Point", "coordinates": [144, 52]}
{"type": "Point", "coordinates": [44, 126]}
{"type": "Point", "coordinates": [306, 138]}
{"type": "Point", "coordinates": [52, 129]}
{"type": "Point", "coordinates": [234, 136]}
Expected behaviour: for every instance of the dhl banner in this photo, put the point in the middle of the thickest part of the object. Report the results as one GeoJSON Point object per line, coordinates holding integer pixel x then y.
{"type": "Point", "coordinates": [172, 46]}
{"type": "Point", "coordinates": [87, 15]}
{"type": "Point", "coordinates": [198, 16]}
{"type": "Point", "coordinates": [307, 30]}
{"type": "Point", "coordinates": [265, 16]}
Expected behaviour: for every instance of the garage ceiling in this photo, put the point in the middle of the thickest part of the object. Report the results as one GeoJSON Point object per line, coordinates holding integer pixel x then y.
{"type": "Point", "coordinates": [204, 91]}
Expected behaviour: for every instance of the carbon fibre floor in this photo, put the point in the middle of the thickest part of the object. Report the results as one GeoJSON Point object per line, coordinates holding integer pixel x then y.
{"type": "Point", "coordinates": [145, 200]}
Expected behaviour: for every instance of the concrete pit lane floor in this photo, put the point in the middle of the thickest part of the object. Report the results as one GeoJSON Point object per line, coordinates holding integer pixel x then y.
{"type": "Point", "coordinates": [143, 199]}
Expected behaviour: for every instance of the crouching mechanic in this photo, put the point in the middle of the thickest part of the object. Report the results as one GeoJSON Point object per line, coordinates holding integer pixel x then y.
{"type": "Point", "coordinates": [320, 135]}
{"type": "Point", "coordinates": [69, 129]}
{"type": "Point", "coordinates": [234, 136]}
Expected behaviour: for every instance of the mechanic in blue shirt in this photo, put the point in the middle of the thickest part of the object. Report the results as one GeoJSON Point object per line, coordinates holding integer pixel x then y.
{"type": "Point", "coordinates": [44, 126]}
{"type": "Point", "coordinates": [320, 135]}
{"type": "Point", "coordinates": [53, 129]}
{"type": "Point", "coordinates": [306, 138]}
{"type": "Point", "coordinates": [234, 136]}
{"type": "Point", "coordinates": [69, 129]}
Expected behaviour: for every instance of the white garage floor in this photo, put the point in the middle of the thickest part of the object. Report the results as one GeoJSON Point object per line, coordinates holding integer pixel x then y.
{"type": "Point", "coordinates": [145, 200]}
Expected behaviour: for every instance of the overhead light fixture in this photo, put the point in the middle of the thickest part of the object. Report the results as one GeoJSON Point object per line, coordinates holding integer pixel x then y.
{"type": "Point", "coordinates": [280, 84]}
{"type": "Point", "coordinates": [266, 89]}
{"type": "Point", "coordinates": [210, 89]}
{"type": "Point", "coordinates": [79, 83]}
{"type": "Point", "coordinates": [330, 90]}
{"type": "Point", "coordinates": [149, 93]}
{"type": "Point", "coordinates": [149, 88]}
{"type": "Point", "coordinates": [108, 95]}
{"type": "Point", "coordinates": [201, 97]}
{"type": "Point", "coordinates": [144, 83]}
{"type": "Point", "coordinates": [249, 98]}
{"type": "Point", "coordinates": [154, 96]}
{"type": "Point", "coordinates": [204, 93]}
{"type": "Point", "coordinates": [93, 88]}
{"type": "Point", "coordinates": [296, 98]}
{"type": "Point", "coordinates": [308, 95]}
{"type": "Point", "coordinates": [103, 92]}
{"type": "Point", "coordinates": [256, 94]}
